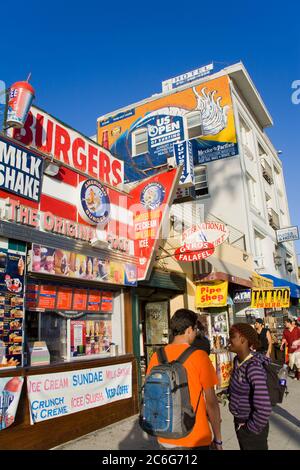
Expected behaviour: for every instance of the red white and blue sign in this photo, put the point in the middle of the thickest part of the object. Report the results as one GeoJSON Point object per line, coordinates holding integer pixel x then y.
{"type": "Point", "coordinates": [94, 204]}
{"type": "Point", "coordinates": [153, 195]}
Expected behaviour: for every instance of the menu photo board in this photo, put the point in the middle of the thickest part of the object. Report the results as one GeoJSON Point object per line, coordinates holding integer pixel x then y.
{"type": "Point", "coordinates": [43, 297]}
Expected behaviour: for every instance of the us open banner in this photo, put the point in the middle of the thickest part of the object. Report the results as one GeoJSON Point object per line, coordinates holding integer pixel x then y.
{"type": "Point", "coordinates": [270, 298]}
{"type": "Point", "coordinates": [55, 395]}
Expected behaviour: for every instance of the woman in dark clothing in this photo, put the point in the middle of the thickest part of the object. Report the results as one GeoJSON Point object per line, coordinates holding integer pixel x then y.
{"type": "Point", "coordinates": [264, 337]}
{"type": "Point", "coordinates": [249, 399]}
{"type": "Point", "coordinates": [201, 342]}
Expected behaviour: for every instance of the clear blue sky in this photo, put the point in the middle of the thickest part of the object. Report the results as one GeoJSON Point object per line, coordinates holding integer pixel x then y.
{"type": "Point", "coordinates": [89, 58]}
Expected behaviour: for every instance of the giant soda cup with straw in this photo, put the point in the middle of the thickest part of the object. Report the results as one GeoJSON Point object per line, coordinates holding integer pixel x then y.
{"type": "Point", "coordinates": [21, 95]}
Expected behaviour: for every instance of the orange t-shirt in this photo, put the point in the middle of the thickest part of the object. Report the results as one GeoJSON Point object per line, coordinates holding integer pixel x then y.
{"type": "Point", "coordinates": [201, 375]}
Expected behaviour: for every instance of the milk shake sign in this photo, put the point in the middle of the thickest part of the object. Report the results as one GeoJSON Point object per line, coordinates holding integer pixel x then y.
{"type": "Point", "coordinates": [20, 171]}
{"type": "Point", "coordinates": [51, 136]}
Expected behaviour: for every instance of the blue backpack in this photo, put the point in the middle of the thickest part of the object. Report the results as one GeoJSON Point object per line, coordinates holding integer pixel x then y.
{"type": "Point", "coordinates": [166, 409]}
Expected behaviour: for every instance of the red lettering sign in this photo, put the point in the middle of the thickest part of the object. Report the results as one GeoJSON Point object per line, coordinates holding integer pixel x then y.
{"type": "Point", "coordinates": [46, 134]}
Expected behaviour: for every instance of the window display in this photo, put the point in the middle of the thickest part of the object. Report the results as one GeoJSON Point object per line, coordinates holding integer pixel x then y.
{"type": "Point", "coordinates": [73, 322]}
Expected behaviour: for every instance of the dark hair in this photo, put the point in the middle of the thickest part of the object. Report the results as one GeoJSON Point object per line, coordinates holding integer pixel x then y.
{"type": "Point", "coordinates": [181, 320]}
{"type": "Point", "coordinates": [288, 320]}
{"type": "Point", "coordinates": [246, 330]}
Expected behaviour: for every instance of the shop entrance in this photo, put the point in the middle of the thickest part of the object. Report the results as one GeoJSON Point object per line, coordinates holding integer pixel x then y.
{"type": "Point", "coordinates": [155, 321]}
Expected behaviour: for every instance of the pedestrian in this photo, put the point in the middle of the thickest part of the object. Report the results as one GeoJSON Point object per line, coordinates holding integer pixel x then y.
{"type": "Point", "coordinates": [201, 341]}
{"type": "Point", "coordinates": [291, 338]}
{"type": "Point", "coordinates": [249, 399]}
{"type": "Point", "coordinates": [264, 337]}
{"type": "Point", "coordinates": [201, 378]}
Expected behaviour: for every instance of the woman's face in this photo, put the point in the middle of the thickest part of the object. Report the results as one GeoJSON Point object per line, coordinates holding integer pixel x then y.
{"type": "Point", "coordinates": [235, 341]}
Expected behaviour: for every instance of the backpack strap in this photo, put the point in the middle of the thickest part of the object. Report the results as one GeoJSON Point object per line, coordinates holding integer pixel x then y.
{"type": "Point", "coordinates": [161, 356]}
{"type": "Point", "coordinates": [182, 358]}
{"type": "Point", "coordinates": [186, 354]}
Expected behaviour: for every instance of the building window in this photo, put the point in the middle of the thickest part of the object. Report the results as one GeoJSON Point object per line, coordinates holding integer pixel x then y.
{"type": "Point", "coordinates": [139, 142]}
{"type": "Point", "coordinates": [259, 257]}
{"type": "Point", "coordinates": [246, 134]}
{"type": "Point", "coordinates": [194, 125]}
{"type": "Point", "coordinates": [201, 184]}
{"type": "Point", "coordinates": [252, 191]}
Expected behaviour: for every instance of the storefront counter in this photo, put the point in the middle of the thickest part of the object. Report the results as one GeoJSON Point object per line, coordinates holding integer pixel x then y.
{"type": "Point", "coordinates": [52, 432]}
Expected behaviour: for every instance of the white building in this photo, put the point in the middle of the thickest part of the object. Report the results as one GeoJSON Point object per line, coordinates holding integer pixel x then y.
{"type": "Point", "coordinates": [245, 191]}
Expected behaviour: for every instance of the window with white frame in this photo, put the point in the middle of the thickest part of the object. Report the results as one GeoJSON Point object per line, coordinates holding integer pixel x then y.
{"type": "Point", "coordinates": [193, 124]}
{"type": "Point", "coordinates": [258, 246]}
{"type": "Point", "coordinates": [246, 134]}
{"type": "Point", "coordinates": [139, 141]}
{"type": "Point", "coordinates": [252, 190]}
{"type": "Point", "coordinates": [201, 183]}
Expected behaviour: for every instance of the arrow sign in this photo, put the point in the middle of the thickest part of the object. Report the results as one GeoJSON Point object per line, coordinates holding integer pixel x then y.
{"type": "Point", "coordinates": [183, 152]}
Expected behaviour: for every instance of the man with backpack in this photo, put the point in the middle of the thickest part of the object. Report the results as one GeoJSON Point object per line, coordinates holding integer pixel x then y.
{"type": "Point", "coordinates": [186, 425]}
{"type": "Point", "coordinates": [249, 395]}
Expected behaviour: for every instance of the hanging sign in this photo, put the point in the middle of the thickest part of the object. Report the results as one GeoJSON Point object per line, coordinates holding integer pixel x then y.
{"type": "Point", "coordinates": [287, 234]}
{"type": "Point", "coordinates": [270, 298]}
{"type": "Point", "coordinates": [150, 201]}
{"type": "Point", "coordinates": [211, 295]}
{"type": "Point", "coordinates": [183, 152]}
{"type": "Point", "coordinates": [213, 232]}
{"type": "Point", "coordinates": [194, 251]}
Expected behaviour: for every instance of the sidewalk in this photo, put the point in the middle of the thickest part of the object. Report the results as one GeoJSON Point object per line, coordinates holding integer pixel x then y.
{"type": "Point", "coordinates": [127, 435]}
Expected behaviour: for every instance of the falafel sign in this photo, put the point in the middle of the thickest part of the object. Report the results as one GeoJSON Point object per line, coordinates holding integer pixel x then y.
{"type": "Point", "coordinates": [200, 241]}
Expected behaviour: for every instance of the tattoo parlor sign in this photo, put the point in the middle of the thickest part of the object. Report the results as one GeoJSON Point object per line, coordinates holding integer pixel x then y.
{"type": "Point", "coordinates": [270, 298]}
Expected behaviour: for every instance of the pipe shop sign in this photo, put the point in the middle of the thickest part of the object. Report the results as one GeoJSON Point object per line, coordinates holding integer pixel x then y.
{"type": "Point", "coordinates": [200, 241]}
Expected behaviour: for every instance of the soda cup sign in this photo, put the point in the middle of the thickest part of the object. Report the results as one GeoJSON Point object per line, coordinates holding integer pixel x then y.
{"type": "Point", "coordinates": [20, 99]}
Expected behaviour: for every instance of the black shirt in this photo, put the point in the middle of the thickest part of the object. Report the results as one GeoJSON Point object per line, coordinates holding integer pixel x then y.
{"type": "Point", "coordinates": [202, 343]}
{"type": "Point", "coordinates": [263, 340]}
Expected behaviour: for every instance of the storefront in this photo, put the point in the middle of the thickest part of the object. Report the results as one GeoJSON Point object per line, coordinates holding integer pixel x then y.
{"type": "Point", "coordinates": [72, 248]}
{"type": "Point", "coordinates": [274, 315]}
{"type": "Point", "coordinates": [65, 302]}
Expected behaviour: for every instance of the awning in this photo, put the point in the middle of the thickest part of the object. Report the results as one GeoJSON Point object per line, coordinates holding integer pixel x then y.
{"type": "Point", "coordinates": [228, 272]}
{"type": "Point", "coordinates": [278, 282]}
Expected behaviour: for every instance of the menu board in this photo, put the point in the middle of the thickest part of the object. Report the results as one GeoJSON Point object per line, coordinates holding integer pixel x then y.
{"type": "Point", "coordinates": [64, 298]}
{"type": "Point", "coordinates": [79, 299]}
{"type": "Point", "coordinates": [107, 302]}
{"type": "Point", "coordinates": [42, 297]}
{"type": "Point", "coordinates": [47, 297]}
{"type": "Point", "coordinates": [12, 267]}
{"type": "Point", "coordinates": [94, 301]}
{"type": "Point", "coordinates": [32, 296]}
